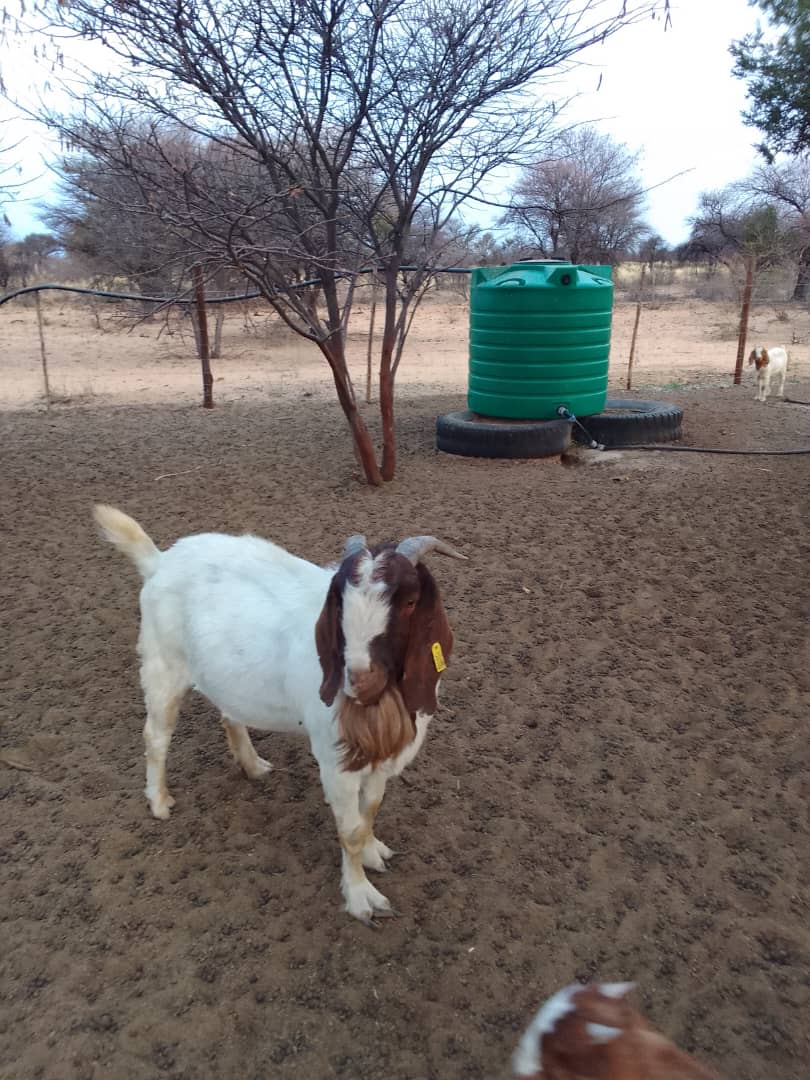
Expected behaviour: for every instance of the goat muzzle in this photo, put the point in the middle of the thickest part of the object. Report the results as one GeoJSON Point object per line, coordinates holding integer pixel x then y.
{"type": "Point", "coordinates": [367, 687]}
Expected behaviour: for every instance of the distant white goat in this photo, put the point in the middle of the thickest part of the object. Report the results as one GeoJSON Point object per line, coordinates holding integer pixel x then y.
{"type": "Point", "coordinates": [770, 363]}
{"type": "Point", "coordinates": [350, 656]}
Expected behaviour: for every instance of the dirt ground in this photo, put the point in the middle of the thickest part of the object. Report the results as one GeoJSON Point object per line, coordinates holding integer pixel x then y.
{"type": "Point", "coordinates": [616, 786]}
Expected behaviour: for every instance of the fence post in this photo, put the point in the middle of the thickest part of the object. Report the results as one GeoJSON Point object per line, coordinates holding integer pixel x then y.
{"type": "Point", "coordinates": [371, 334]}
{"type": "Point", "coordinates": [629, 384]}
{"type": "Point", "coordinates": [44, 357]}
{"type": "Point", "coordinates": [204, 347]}
{"type": "Point", "coordinates": [746, 307]}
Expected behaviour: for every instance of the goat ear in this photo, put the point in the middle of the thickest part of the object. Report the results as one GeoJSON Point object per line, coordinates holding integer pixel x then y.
{"type": "Point", "coordinates": [430, 642]}
{"type": "Point", "coordinates": [329, 643]}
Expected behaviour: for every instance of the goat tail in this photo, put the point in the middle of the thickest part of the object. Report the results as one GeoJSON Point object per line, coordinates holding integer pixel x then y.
{"type": "Point", "coordinates": [127, 535]}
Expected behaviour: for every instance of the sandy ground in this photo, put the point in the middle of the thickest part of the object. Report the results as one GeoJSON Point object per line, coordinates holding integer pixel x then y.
{"type": "Point", "coordinates": [616, 786]}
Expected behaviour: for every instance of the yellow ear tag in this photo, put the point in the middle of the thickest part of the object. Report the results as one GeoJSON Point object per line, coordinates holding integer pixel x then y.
{"type": "Point", "coordinates": [438, 656]}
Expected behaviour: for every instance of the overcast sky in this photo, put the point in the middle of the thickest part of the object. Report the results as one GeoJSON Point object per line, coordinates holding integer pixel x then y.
{"type": "Point", "coordinates": [670, 95]}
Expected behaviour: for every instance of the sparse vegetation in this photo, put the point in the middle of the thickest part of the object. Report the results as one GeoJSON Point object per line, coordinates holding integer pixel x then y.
{"type": "Point", "coordinates": [335, 136]}
{"type": "Point", "coordinates": [581, 201]}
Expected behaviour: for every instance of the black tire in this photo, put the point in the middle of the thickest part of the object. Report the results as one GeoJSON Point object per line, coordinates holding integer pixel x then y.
{"type": "Point", "coordinates": [626, 422]}
{"type": "Point", "coordinates": [471, 435]}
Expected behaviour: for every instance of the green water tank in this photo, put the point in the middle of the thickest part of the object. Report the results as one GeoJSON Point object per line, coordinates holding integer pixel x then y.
{"type": "Point", "coordinates": [539, 339]}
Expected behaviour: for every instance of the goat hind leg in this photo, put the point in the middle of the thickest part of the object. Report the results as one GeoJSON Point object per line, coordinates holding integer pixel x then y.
{"type": "Point", "coordinates": [243, 751]}
{"type": "Point", "coordinates": [164, 687]}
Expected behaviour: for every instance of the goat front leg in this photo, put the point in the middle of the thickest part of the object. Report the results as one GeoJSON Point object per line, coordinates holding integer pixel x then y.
{"type": "Point", "coordinates": [355, 832]}
{"type": "Point", "coordinates": [372, 790]}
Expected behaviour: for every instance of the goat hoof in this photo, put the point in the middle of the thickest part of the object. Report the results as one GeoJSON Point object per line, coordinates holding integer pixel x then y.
{"type": "Point", "coordinates": [374, 862]}
{"type": "Point", "coordinates": [161, 808]}
{"type": "Point", "coordinates": [257, 769]}
{"type": "Point", "coordinates": [366, 903]}
{"type": "Point", "coordinates": [378, 913]}
{"type": "Point", "coordinates": [375, 854]}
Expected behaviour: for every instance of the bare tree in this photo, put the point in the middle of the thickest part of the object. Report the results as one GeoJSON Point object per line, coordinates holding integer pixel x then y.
{"type": "Point", "coordinates": [585, 203]}
{"type": "Point", "coordinates": [730, 225]}
{"type": "Point", "coordinates": [5, 260]}
{"type": "Point", "coordinates": [10, 186]}
{"type": "Point", "coordinates": [358, 115]}
{"type": "Point", "coordinates": [107, 216]}
{"type": "Point", "coordinates": [787, 185]}
{"type": "Point", "coordinates": [732, 228]}
{"type": "Point", "coordinates": [26, 258]}
{"type": "Point", "coordinates": [652, 251]}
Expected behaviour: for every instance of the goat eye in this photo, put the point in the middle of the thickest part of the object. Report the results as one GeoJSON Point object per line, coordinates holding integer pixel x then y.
{"type": "Point", "coordinates": [408, 606]}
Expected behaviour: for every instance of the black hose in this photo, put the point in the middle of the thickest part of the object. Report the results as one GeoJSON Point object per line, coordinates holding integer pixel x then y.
{"type": "Point", "coordinates": [710, 450]}
{"type": "Point", "coordinates": [105, 295]}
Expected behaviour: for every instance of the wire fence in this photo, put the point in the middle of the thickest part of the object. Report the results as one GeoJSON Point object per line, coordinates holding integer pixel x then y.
{"type": "Point", "coordinates": [195, 300]}
{"type": "Point", "coordinates": [671, 288]}
{"type": "Point", "coordinates": [189, 298]}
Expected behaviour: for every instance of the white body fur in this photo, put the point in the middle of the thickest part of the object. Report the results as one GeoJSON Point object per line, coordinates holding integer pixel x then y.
{"type": "Point", "coordinates": [774, 367]}
{"type": "Point", "coordinates": [234, 617]}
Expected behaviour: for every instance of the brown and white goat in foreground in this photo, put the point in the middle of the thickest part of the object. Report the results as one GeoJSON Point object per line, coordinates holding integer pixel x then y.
{"type": "Point", "coordinates": [350, 657]}
{"type": "Point", "coordinates": [591, 1033]}
{"type": "Point", "coordinates": [770, 364]}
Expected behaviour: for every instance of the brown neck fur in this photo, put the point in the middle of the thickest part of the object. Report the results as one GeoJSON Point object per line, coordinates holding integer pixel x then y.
{"type": "Point", "coordinates": [371, 734]}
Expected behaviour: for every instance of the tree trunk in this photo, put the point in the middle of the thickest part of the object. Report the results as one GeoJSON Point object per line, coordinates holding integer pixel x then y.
{"type": "Point", "coordinates": [801, 291]}
{"type": "Point", "coordinates": [750, 263]}
{"type": "Point", "coordinates": [389, 454]}
{"type": "Point", "coordinates": [363, 445]}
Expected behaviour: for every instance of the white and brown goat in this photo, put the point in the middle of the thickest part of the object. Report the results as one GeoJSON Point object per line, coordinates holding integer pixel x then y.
{"type": "Point", "coordinates": [592, 1033]}
{"type": "Point", "coordinates": [350, 656]}
{"type": "Point", "coordinates": [770, 364]}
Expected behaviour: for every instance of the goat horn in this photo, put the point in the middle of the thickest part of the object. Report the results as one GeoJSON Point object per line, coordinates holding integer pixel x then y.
{"type": "Point", "coordinates": [354, 545]}
{"type": "Point", "coordinates": [415, 547]}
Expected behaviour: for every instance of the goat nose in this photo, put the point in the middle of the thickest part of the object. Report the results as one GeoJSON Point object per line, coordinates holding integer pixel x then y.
{"type": "Point", "coordinates": [366, 686]}
{"type": "Point", "coordinates": [359, 680]}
